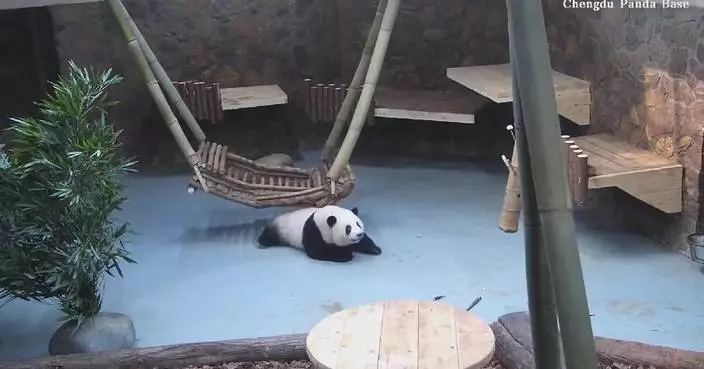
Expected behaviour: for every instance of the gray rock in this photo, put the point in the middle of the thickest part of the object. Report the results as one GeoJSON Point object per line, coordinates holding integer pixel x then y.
{"type": "Point", "coordinates": [103, 332]}
{"type": "Point", "coordinates": [276, 160]}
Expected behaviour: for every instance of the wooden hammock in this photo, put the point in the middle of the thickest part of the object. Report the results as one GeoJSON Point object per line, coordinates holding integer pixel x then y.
{"type": "Point", "coordinates": [238, 179]}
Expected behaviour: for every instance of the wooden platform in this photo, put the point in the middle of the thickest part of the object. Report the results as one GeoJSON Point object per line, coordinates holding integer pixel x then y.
{"type": "Point", "coordinates": [414, 334]}
{"type": "Point", "coordinates": [234, 98]}
{"type": "Point", "coordinates": [644, 175]}
{"type": "Point", "coordinates": [494, 82]}
{"type": "Point", "coordinates": [19, 4]}
{"type": "Point", "coordinates": [428, 105]}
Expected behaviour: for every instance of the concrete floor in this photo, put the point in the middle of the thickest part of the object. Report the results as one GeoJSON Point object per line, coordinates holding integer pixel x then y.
{"type": "Point", "coordinates": [200, 277]}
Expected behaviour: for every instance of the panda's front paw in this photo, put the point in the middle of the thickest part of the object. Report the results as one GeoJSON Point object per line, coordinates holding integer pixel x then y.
{"type": "Point", "coordinates": [374, 250]}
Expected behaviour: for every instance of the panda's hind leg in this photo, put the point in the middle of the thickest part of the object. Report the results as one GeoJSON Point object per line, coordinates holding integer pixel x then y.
{"type": "Point", "coordinates": [365, 246]}
{"type": "Point", "coordinates": [269, 237]}
{"type": "Point", "coordinates": [330, 253]}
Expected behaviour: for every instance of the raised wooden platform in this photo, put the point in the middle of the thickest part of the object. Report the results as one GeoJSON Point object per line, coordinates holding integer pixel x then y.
{"type": "Point", "coordinates": [234, 98]}
{"type": "Point", "coordinates": [573, 95]}
{"type": "Point", "coordinates": [414, 334]}
{"type": "Point", "coordinates": [428, 105]}
{"type": "Point", "coordinates": [18, 4]}
{"type": "Point", "coordinates": [644, 175]}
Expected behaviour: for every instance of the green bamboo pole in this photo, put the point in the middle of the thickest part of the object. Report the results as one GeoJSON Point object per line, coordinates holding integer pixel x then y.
{"type": "Point", "coordinates": [533, 75]}
{"type": "Point", "coordinates": [155, 91]}
{"type": "Point", "coordinates": [547, 348]}
{"type": "Point", "coordinates": [343, 116]}
{"type": "Point", "coordinates": [365, 98]}
{"type": "Point", "coordinates": [163, 78]}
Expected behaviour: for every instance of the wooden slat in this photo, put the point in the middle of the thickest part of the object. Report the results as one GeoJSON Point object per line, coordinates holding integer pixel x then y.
{"type": "Point", "coordinates": [473, 341]}
{"type": "Point", "coordinates": [398, 347]}
{"type": "Point", "coordinates": [327, 338]}
{"type": "Point", "coordinates": [360, 340]}
{"type": "Point", "coordinates": [436, 336]}
{"type": "Point", "coordinates": [223, 160]}
{"type": "Point", "coordinates": [253, 96]}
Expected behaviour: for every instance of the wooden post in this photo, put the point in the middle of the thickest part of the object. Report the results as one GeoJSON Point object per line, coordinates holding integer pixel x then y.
{"type": "Point", "coordinates": [566, 153]}
{"type": "Point", "coordinates": [511, 209]}
{"type": "Point", "coordinates": [199, 88]}
{"type": "Point", "coordinates": [326, 103]}
{"type": "Point", "coordinates": [306, 95]}
{"type": "Point", "coordinates": [320, 103]}
{"type": "Point", "coordinates": [314, 103]}
{"type": "Point", "coordinates": [581, 186]}
{"type": "Point", "coordinates": [218, 100]}
{"type": "Point", "coordinates": [571, 168]}
{"type": "Point", "coordinates": [208, 104]}
{"type": "Point", "coordinates": [191, 97]}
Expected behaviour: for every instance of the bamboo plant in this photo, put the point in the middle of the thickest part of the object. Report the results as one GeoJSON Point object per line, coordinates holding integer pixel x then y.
{"type": "Point", "coordinates": [123, 20]}
{"type": "Point", "coordinates": [538, 108]}
{"type": "Point", "coordinates": [355, 88]}
{"type": "Point", "coordinates": [365, 98]}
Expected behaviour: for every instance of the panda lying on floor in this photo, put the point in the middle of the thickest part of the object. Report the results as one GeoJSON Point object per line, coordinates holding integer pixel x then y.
{"type": "Point", "coordinates": [330, 233]}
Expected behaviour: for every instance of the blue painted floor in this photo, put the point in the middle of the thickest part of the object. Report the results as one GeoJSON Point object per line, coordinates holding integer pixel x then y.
{"type": "Point", "coordinates": [201, 278]}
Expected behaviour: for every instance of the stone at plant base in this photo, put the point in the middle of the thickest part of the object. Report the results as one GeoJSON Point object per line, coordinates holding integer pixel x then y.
{"type": "Point", "coordinates": [105, 331]}
{"type": "Point", "coordinates": [276, 160]}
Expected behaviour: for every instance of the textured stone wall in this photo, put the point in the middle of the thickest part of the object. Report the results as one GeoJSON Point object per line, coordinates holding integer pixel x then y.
{"type": "Point", "coordinates": [647, 74]}
{"type": "Point", "coordinates": [234, 42]}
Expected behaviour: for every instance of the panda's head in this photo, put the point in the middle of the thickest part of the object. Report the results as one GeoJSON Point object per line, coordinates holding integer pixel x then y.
{"type": "Point", "coordinates": [342, 226]}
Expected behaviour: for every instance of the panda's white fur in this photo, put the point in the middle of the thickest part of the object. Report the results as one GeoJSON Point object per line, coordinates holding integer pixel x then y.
{"type": "Point", "coordinates": [329, 233]}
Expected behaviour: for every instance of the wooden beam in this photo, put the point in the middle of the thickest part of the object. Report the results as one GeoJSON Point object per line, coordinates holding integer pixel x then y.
{"type": "Point", "coordinates": [428, 105]}
{"type": "Point", "coordinates": [289, 347]}
{"type": "Point", "coordinates": [19, 4]}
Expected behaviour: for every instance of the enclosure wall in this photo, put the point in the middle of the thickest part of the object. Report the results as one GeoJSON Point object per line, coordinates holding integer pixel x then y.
{"type": "Point", "coordinates": [647, 73]}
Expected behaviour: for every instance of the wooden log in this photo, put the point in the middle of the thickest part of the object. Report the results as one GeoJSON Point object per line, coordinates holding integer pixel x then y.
{"type": "Point", "coordinates": [214, 100]}
{"type": "Point", "coordinates": [511, 208]}
{"type": "Point", "coordinates": [324, 103]}
{"type": "Point", "coordinates": [191, 90]}
{"type": "Point", "coordinates": [338, 101]}
{"type": "Point", "coordinates": [514, 348]}
{"type": "Point", "coordinates": [200, 101]}
{"type": "Point", "coordinates": [307, 83]}
{"type": "Point", "coordinates": [572, 165]}
{"type": "Point", "coordinates": [568, 165]}
{"type": "Point", "coordinates": [331, 102]}
{"type": "Point", "coordinates": [220, 113]}
{"type": "Point", "coordinates": [319, 103]}
{"type": "Point", "coordinates": [288, 347]}
{"type": "Point", "coordinates": [209, 104]}
{"type": "Point", "coordinates": [581, 186]}
{"type": "Point", "coordinates": [314, 104]}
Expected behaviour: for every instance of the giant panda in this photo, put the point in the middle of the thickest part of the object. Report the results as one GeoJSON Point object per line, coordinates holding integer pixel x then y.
{"type": "Point", "coordinates": [329, 233]}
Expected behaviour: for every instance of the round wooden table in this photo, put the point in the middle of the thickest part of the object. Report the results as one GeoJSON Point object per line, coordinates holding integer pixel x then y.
{"type": "Point", "coordinates": [401, 334]}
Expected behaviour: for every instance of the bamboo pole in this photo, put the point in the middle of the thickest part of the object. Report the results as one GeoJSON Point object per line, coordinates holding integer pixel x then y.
{"type": "Point", "coordinates": [365, 98]}
{"type": "Point", "coordinates": [511, 208]}
{"type": "Point", "coordinates": [355, 88]}
{"type": "Point", "coordinates": [547, 351]}
{"type": "Point", "coordinates": [159, 72]}
{"type": "Point", "coordinates": [533, 76]}
{"type": "Point", "coordinates": [121, 16]}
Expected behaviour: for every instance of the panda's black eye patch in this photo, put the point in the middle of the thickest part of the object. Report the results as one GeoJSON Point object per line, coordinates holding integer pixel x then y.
{"type": "Point", "coordinates": [348, 229]}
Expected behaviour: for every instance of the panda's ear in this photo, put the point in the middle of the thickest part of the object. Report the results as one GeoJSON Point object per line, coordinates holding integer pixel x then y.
{"type": "Point", "coordinates": [355, 211]}
{"type": "Point", "coordinates": [332, 220]}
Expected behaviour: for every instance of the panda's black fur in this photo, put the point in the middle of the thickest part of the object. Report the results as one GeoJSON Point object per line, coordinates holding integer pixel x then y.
{"type": "Point", "coordinates": [285, 230]}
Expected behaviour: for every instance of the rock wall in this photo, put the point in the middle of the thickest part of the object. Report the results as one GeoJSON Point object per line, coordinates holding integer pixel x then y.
{"type": "Point", "coordinates": [647, 73]}
{"type": "Point", "coordinates": [234, 42]}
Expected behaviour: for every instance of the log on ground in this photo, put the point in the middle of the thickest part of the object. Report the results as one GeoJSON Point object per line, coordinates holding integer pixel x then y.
{"type": "Point", "coordinates": [514, 348]}
{"type": "Point", "coordinates": [276, 348]}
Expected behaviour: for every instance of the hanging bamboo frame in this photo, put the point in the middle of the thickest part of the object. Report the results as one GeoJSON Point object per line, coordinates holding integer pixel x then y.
{"type": "Point", "coordinates": [231, 176]}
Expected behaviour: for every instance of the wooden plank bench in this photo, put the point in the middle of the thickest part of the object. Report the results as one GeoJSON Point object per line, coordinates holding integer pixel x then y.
{"type": "Point", "coordinates": [234, 98]}
{"type": "Point", "coordinates": [573, 95]}
{"type": "Point", "coordinates": [644, 175]}
{"type": "Point", "coordinates": [323, 102]}
{"type": "Point", "coordinates": [414, 334]}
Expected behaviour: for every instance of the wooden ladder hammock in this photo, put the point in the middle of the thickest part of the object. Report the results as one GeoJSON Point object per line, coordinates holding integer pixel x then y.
{"type": "Point", "coordinates": [225, 174]}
